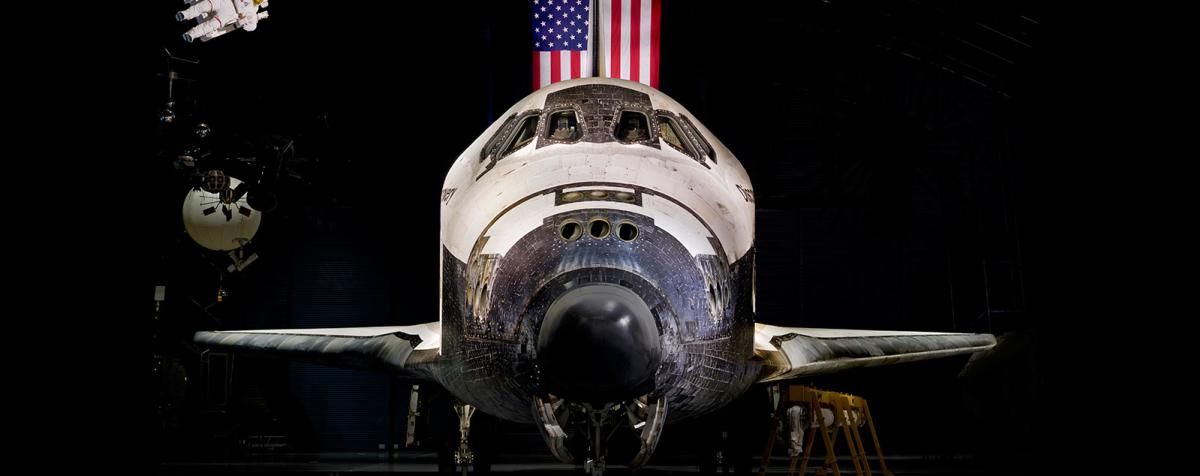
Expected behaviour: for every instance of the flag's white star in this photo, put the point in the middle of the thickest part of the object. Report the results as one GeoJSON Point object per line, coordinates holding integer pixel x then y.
{"type": "Point", "coordinates": [579, 45]}
{"type": "Point", "coordinates": [558, 8]}
{"type": "Point", "coordinates": [543, 37]}
{"type": "Point", "coordinates": [572, 37]}
{"type": "Point", "coordinates": [535, 45]}
{"type": "Point", "coordinates": [558, 22]}
{"type": "Point", "coordinates": [551, 30]}
{"type": "Point", "coordinates": [552, 44]}
{"type": "Point", "coordinates": [543, 23]}
{"type": "Point", "coordinates": [543, 9]}
{"type": "Point", "coordinates": [535, 15]}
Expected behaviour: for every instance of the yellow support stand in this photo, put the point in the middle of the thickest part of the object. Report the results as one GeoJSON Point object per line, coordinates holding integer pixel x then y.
{"type": "Point", "coordinates": [849, 413]}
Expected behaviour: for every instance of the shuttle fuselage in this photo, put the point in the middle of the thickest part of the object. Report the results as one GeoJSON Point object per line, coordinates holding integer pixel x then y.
{"type": "Point", "coordinates": [597, 245]}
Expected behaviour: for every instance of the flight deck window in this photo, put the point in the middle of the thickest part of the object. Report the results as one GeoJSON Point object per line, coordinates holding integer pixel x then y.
{"type": "Point", "coordinates": [496, 142]}
{"type": "Point", "coordinates": [563, 126]}
{"type": "Point", "coordinates": [632, 127]}
{"type": "Point", "coordinates": [706, 150]}
{"type": "Point", "coordinates": [673, 135]}
{"type": "Point", "coordinates": [525, 134]}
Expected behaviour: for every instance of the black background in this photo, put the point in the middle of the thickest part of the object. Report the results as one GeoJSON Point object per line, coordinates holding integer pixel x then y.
{"type": "Point", "coordinates": [883, 178]}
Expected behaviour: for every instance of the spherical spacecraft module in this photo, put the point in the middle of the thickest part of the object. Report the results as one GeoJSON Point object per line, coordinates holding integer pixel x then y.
{"type": "Point", "coordinates": [220, 220]}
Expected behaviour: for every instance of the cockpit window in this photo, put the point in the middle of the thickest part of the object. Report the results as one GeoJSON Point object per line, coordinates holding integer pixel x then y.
{"type": "Point", "coordinates": [563, 126]}
{"type": "Point", "coordinates": [706, 149]}
{"type": "Point", "coordinates": [673, 135]}
{"type": "Point", "coordinates": [494, 144]}
{"type": "Point", "coordinates": [632, 127]}
{"type": "Point", "coordinates": [525, 134]}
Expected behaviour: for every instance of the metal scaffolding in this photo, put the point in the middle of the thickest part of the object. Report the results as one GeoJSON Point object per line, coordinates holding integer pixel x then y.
{"type": "Point", "coordinates": [830, 414]}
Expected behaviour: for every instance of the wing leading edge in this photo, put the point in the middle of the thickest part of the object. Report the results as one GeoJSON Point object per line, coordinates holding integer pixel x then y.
{"type": "Point", "coordinates": [790, 352]}
{"type": "Point", "coordinates": [407, 351]}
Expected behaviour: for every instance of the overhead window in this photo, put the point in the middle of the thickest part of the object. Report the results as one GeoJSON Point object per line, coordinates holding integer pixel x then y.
{"type": "Point", "coordinates": [563, 126]}
{"type": "Point", "coordinates": [525, 134]}
{"type": "Point", "coordinates": [632, 126]}
{"type": "Point", "coordinates": [671, 133]}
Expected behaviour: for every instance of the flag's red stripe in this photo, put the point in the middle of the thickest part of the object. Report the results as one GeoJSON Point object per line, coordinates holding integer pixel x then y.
{"type": "Point", "coordinates": [655, 18]}
{"type": "Point", "coordinates": [575, 65]}
{"type": "Point", "coordinates": [537, 70]}
{"type": "Point", "coordinates": [614, 68]}
{"type": "Point", "coordinates": [635, 40]}
{"type": "Point", "coordinates": [555, 67]}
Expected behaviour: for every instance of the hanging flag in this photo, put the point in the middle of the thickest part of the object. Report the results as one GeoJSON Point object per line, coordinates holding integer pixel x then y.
{"type": "Point", "coordinates": [628, 42]}
{"type": "Point", "coordinates": [561, 29]}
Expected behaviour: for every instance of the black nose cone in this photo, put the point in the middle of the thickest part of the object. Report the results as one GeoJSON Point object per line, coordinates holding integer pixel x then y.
{"type": "Point", "coordinates": [598, 343]}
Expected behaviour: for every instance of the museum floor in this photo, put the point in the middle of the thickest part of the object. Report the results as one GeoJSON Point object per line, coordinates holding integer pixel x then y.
{"type": "Point", "coordinates": [417, 462]}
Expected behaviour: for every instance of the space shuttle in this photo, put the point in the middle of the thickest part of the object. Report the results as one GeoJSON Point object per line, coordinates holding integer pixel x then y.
{"type": "Point", "coordinates": [597, 269]}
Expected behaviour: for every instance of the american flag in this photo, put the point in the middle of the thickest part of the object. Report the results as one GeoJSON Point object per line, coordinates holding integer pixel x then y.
{"type": "Point", "coordinates": [629, 38]}
{"type": "Point", "coordinates": [561, 29]}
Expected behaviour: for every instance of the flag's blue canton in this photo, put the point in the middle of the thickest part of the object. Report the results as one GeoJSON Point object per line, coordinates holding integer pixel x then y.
{"type": "Point", "coordinates": [560, 25]}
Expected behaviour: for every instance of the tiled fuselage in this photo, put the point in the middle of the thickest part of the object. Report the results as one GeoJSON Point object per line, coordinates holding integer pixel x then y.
{"type": "Point", "coordinates": [505, 259]}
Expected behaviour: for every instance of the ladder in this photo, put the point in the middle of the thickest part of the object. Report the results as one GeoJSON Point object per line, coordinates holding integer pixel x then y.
{"type": "Point", "coordinates": [832, 415]}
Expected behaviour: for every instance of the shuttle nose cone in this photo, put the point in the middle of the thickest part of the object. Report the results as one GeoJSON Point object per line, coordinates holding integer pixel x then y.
{"type": "Point", "coordinates": [598, 343]}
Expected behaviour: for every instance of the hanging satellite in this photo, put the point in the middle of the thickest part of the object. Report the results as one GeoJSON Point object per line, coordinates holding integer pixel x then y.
{"type": "Point", "coordinates": [216, 215]}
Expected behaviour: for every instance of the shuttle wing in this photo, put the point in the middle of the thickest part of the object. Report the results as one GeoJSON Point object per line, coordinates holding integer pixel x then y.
{"type": "Point", "coordinates": [402, 350]}
{"type": "Point", "coordinates": [790, 352]}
